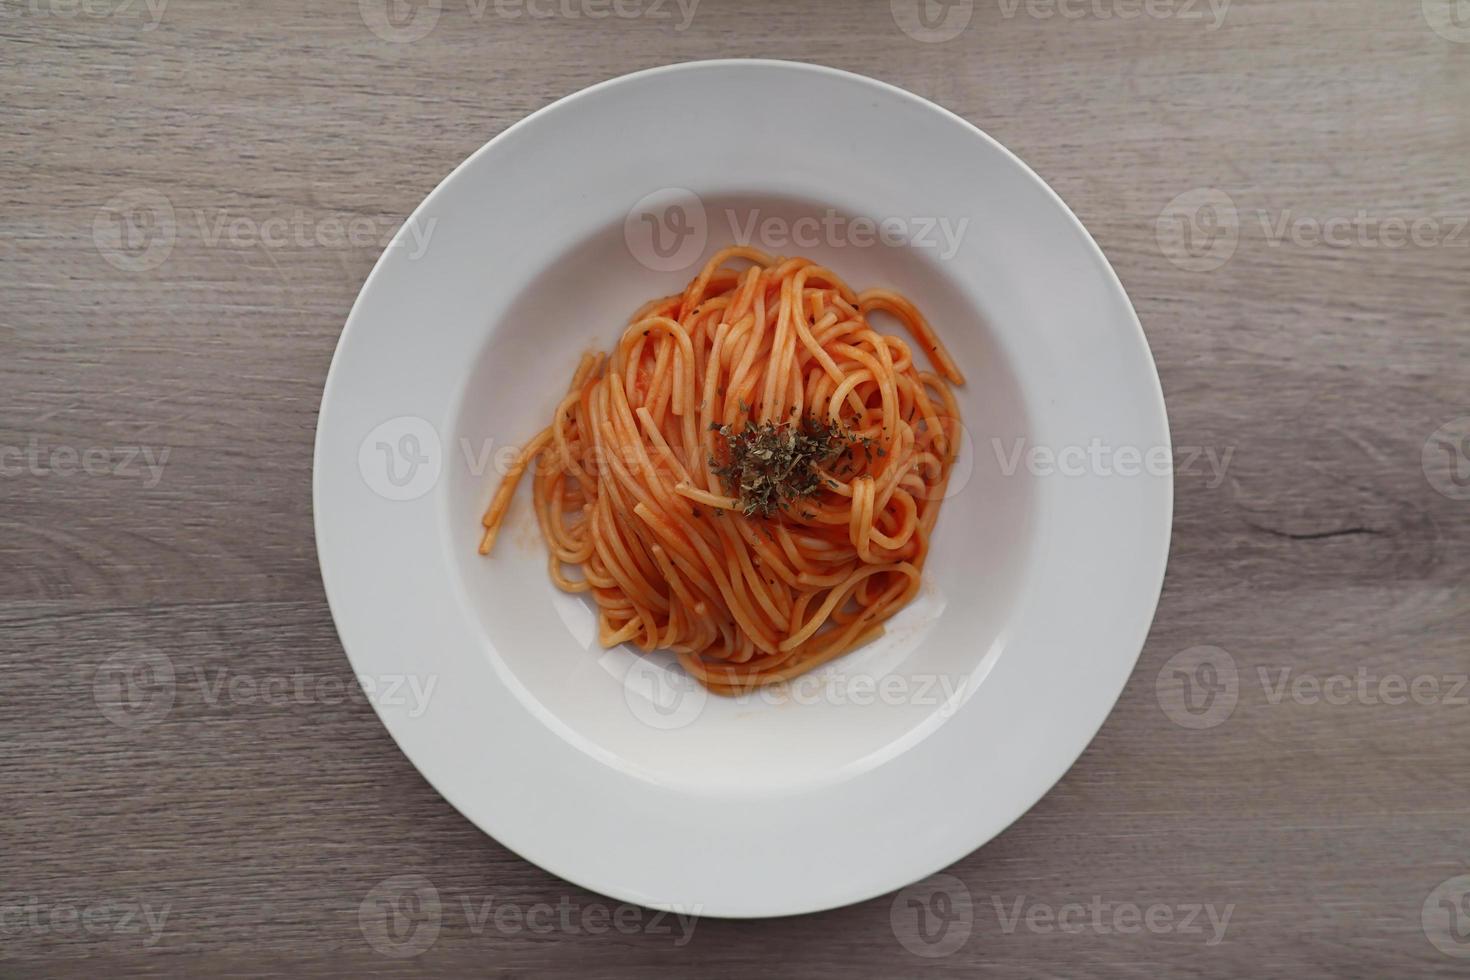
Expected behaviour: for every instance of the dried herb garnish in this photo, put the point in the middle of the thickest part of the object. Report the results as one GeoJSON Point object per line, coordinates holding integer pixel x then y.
{"type": "Point", "coordinates": [768, 465]}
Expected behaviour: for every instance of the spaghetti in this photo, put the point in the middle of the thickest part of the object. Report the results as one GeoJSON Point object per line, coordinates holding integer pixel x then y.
{"type": "Point", "coordinates": [752, 477]}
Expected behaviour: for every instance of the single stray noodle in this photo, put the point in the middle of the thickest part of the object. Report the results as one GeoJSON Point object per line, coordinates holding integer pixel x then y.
{"type": "Point", "coordinates": [646, 475]}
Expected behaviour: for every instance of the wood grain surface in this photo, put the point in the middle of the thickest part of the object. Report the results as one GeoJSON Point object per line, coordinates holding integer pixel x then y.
{"type": "Point", "coordinates": [160, 385]}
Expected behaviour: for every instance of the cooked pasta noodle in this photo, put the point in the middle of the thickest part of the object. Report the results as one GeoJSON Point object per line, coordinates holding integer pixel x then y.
{"type": "Point", "coordinates": [752, 477]}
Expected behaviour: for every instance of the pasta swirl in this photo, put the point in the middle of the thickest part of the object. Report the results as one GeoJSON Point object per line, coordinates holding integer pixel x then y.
{"type": "Point", "coordinates": [642, 502]}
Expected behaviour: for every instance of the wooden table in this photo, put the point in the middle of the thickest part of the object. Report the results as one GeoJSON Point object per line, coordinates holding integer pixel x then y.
{"type": "Point", "coordinates": [161, 377]}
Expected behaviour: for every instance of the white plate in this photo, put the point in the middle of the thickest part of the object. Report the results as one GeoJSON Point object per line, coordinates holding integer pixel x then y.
{"type": "Point", "coordinates": [615, 772]}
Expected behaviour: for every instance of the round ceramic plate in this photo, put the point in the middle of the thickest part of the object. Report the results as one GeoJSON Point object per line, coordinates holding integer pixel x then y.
{"type": "Point", "coordinates": [613, 770]}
